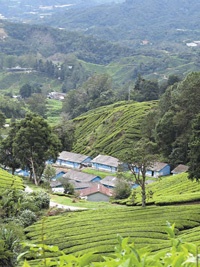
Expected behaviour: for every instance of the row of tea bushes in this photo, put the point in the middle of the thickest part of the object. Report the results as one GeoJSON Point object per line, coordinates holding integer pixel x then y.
{"type": "Point", "coordinates": [167, 191]}
{"type": "Point", "coordinates": [7, 180]}
{"type": "Point", "coordinates": [96, 230]}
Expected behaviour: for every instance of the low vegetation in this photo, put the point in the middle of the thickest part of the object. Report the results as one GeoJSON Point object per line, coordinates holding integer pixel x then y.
{"type": "Point", "coordinates": [7, 181]}
{"type": "Point", "coordinates": [110, 129]}
{"type": "Point", "coordinates": [168, 191]}
{"type": "Point", "coordinates": [89, 231]}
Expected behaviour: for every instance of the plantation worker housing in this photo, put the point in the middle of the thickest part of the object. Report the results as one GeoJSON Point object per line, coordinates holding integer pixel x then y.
{"type": "Point", "coordinates": [72, 160]}
{"type": "Point", "coordinates": [97, 193]}
{"type": "Point", "coordinates": [92, 186]}
{"type": "Point", "coordinates": [180, 169]}
{"type": "Point", "coordinates": [157, 169]}
{"type": "Point", "coordinates": [105, 163]}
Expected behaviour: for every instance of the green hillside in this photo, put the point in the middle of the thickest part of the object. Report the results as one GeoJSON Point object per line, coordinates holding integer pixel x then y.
{"type": "Point", "coordinates": [110, 129]}
{"type": "Point", "coordinates": [12, 82]}
{"type": "Point", "coordinates": [162, 24]}
{"type": "Point", "coordinates": [21, 39]}
{"type": "Point", "coordinates": [96, 230]}
{"type": "Point", "coordinates": [171, 190]}
{"type": "Point", "coordinates": [7, 181]}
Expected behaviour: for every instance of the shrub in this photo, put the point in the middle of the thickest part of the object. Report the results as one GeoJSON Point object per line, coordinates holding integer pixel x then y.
{"type": "Point", "coordinates": [122, 189]}
{"type": "Point", "coordinates": [42, 199]}
{"type": "Point", "coordinates": [27, 217]}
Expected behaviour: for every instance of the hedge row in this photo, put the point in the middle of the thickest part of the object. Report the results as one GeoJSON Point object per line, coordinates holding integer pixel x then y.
{"type": "Point", "coordinates": [96, 230]}
{"type": "Point", "coordinates": [109, 129]}
{"type": "Point", "coordinates": [169, 190]}
{"type": "Point", "coordinates": [7, 180]}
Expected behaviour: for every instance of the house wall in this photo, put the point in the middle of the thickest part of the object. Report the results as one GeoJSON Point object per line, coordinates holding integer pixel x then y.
{"type": "Point", "coordinates": [98, 197]}
{"type": "Point", "coordinates": [165, 171]}
{"type": "Point", "coordinates": [68, 163]}
{"type": "Point", "coordinates": [23, 173]}
{"type": "Point", "coordinates": [102, 167]}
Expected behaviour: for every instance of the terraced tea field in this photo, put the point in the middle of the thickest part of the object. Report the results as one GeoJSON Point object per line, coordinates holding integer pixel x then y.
{"type": "Point", "coordinates": [7, 180]}
{"type": "Point", "coordinates": [171, 190]}
{"type": "Point", "coordinates": [96, 230]}
{"type": "Point", "coordinates": [110, 129]}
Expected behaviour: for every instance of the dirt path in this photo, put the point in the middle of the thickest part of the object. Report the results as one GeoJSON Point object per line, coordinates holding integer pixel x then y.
{"type": "Point", "coordinates": [60, 206]}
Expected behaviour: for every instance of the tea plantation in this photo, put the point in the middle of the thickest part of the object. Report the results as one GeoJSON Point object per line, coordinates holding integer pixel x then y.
{"type": "Point", "coordinates": [171, 190]}
{"type": "Point", "coordinates": [96, 230]}
{"type": "Point", "coordinates": [110, 129]}
{"type": "Point", "coordinates": [7, 180]}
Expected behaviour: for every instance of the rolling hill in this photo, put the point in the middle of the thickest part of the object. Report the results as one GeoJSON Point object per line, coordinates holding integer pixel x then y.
{"type": "Point", "coordinates": [110, 129]}
{"type": "Point", "coordinates": [130, 22]}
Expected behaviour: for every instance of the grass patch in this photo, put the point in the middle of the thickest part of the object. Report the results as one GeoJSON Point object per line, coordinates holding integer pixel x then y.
{"type": "Point", "coordinates": [82, 203]}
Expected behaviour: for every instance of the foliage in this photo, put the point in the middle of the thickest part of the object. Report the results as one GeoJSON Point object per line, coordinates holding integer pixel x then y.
{"type": "Point", "coordinates": [14, 202]}
{"type": "Point", "coordinates": [27, 217]}
{"type": "Point", "coordinates": [126, 254]}
{"type": "Point", "coordinates": [11, 108]}
{"type": "Point", "coordinates": [65, 132]}
{"type": "Point", "coordinates": [110, 130]}
{"type": "Point", "coordinates": [42, 199]}
{"type": "Point", "coordinates": [95, 92]}
{"type": "Point", "coordinates": [122, 188]}
{"type": "Point", "coordinates": [37, 104]}
{"type": "Point", "coordinates": [178, 107]}
{"type": "Point", "coordinates": [125, 23]}
{"type": "Point", "coordinates": [34, 144]}
{"type": "Point", "coordinates": [72, 233]}
{"type": "Point", "coordinates": [9, 247]}
{"type": "Point", "coordinates": [49, 172]}
{"type": "Point", "coordinates": [7, 156]}
{"type": "Point", "coordinates": [194, 153]}
{"type": "Point", "coordinates": [68, 187]}
{"type": "Point", "coordinates": [8, 181]}
{"type": "Point", "coordinates": [145, 90]}
{"type": "Point", "coordinates": [48, 41]}
{"type": "Point", "coordinates": [168, 191]}
{"type": "Point", "coordinates": [139, 158]}
{"type": "Point", "coordinates": [2, 119]}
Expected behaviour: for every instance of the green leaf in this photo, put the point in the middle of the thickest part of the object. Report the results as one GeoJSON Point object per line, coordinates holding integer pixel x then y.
{"type": "Point", "coordinates": [26, 264]}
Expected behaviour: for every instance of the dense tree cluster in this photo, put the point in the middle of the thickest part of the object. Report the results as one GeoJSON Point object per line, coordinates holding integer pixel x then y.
{"type": "Point", "coordinates": [11, 108]}
{"type": "Point", "coordinates": [95, 92]}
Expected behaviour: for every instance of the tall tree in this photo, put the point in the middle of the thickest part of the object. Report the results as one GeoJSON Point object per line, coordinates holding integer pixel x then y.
{"type": "Point", "coordinates": [139, 159]}
{"type": "Point", "coordinates": [37, 104]}
{"type": "Point", "coordinates": [2, 121]}
{"type": "Point", "coordinates": [34, 144]}
{"type": "Point", "coordinates": [25, 91]}
{"type": "Point", "coordinates": [194, 150]}
{"type": "Point", "coordinates": [7, 157]}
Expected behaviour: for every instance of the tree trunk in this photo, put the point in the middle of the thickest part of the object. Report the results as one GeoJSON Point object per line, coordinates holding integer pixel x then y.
{"type": "Point", "coordinates": [13, 171]}
{"type": "Point", "coordinates": [143, 191]}
{"type": "Point", "coordinates": [31, 174]}
{"type": "Point", "coordinates": [34, 173]}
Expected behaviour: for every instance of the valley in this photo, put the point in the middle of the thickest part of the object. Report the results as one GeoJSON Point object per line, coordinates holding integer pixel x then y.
{"type": "Point", "coordinates": [100, 128]}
